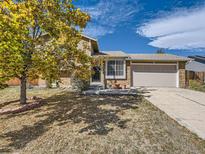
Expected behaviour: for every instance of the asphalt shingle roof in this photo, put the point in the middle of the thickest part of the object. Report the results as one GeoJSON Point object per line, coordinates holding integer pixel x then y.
{"type": "Point", "coordinates": [160, 57]}
{"type": "Point", "coordinates": [115, 54]}
{"type": "Point", "coordinates": [195, 66]}
{"type": "Point", "coordinates": [197, 58]}
{"type": "Point", "coordinates": [155, 57]}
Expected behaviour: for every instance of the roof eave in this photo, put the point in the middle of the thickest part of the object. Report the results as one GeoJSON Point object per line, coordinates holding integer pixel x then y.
{"type": "Point", "coordinates": [164, 60]}
{"type": "Point", "coordinates": [88, 37]}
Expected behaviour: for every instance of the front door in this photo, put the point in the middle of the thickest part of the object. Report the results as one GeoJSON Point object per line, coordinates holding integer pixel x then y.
{"type": "Point", "coordinates": [96, 77]}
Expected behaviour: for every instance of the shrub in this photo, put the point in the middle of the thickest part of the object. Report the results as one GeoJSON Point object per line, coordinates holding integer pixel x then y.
{"type": "Point", "coordinates": [196, 85]}
{"type": "Point", "coordinates": [79, 84]}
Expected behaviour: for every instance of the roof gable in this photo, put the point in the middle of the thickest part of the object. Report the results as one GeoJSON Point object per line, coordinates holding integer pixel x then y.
{"type": "Point", "coordinates": [94, 43]}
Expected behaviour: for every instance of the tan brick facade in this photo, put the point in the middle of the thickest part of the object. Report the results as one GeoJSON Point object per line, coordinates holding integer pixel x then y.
{"type": "Point", "coordinates": [182, 75]}
{"type": "Point", "coordinates": [86, 46]}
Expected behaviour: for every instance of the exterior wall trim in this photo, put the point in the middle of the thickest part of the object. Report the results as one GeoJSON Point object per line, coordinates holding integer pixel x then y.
{"type": "Point", "coordinates": [154, 63]}
{"type": "Point", "coordinates": [115, 77]}
{"type": "Point", "coordinates": [177, 75]}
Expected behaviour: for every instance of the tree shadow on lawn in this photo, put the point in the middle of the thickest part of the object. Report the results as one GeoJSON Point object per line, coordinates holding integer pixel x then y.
{"type": "Point", "coordinates": [8, 103]}
{"type": "Point", "coordinates": [73, 108]}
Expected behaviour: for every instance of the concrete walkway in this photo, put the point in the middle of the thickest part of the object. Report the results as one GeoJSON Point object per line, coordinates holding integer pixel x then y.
{"type": "Point", "coordinates": [185, 106]}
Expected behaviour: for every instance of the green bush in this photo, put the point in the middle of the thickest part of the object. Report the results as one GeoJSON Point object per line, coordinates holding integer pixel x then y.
{"type": "Point", "coordinates": [196, 85]}
{"type": "Point", "coordinates": [79, 84]}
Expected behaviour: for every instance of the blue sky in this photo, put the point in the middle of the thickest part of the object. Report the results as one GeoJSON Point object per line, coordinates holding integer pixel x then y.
{"type": "Point", "coordinates": [143, 26]}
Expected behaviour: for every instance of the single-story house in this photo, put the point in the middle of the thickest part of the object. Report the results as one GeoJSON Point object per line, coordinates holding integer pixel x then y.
{"type": "Point", "coordinates": [122, 70]}
{"type": "Point", "coordinates": [196, 68]}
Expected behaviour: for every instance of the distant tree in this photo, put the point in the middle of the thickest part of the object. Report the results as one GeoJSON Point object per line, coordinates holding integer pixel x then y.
{"type": "Point", "coordinates": [38, 38]}
{"type": "Point", "coordinates": [160, 51]}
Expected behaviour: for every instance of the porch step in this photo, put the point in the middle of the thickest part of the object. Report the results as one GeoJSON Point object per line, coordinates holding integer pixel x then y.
{"type": "Point", "coordinates": [96, 87]}
{"type": "Point", "coordinates": [112, 92]}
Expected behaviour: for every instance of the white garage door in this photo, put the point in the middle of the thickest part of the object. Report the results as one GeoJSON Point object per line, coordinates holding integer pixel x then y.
{"type": "Point", "coordinates": [154, 75]}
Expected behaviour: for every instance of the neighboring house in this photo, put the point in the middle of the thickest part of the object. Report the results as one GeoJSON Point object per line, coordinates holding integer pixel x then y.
{"type": "Point", "coordinates": [122, 70]}
{"type": "Point", "coordinates": [196, 68]}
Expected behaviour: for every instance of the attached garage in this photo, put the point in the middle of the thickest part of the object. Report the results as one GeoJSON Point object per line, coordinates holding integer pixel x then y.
{"type": "Point", "coordinates": [144, 70]}
{"type": "Point", "coordinates": [154, 75]}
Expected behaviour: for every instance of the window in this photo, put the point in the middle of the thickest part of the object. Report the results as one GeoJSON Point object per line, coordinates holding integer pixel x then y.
{"type": "Point", "coordinates": [115, 69]}
{"type": "Point", "coordinates": [111, 68]}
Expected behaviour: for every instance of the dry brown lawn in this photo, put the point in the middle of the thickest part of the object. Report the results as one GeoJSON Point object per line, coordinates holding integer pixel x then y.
{"type": "Point", "coordinates": [74, 124]}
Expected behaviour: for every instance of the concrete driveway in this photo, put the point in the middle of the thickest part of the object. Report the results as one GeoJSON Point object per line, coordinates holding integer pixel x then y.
{"type": "Point", "coordinates": [187, 107]}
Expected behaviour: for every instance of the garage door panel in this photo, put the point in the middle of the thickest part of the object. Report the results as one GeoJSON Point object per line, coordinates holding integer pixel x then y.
{"type": "Point", "coordinates": [154, 75]}
{"type": "Point", "coordinates": [155, 68]}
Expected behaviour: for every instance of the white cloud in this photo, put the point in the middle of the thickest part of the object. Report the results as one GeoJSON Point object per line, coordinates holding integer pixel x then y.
{"type": "Point", "coordinates": [106, 15]}
{"type": "Point", "coordinates": [97, 30]}
{"type": "Point", "coordinates": [179, 30]}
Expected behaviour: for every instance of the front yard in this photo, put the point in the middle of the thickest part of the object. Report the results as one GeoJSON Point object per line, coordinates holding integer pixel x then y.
{"type": "Point", "coordinates": [74, 123]}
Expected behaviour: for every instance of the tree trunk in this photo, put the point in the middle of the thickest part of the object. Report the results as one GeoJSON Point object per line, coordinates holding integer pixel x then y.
{"type": "Point", "coordinates": [23, 90]}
